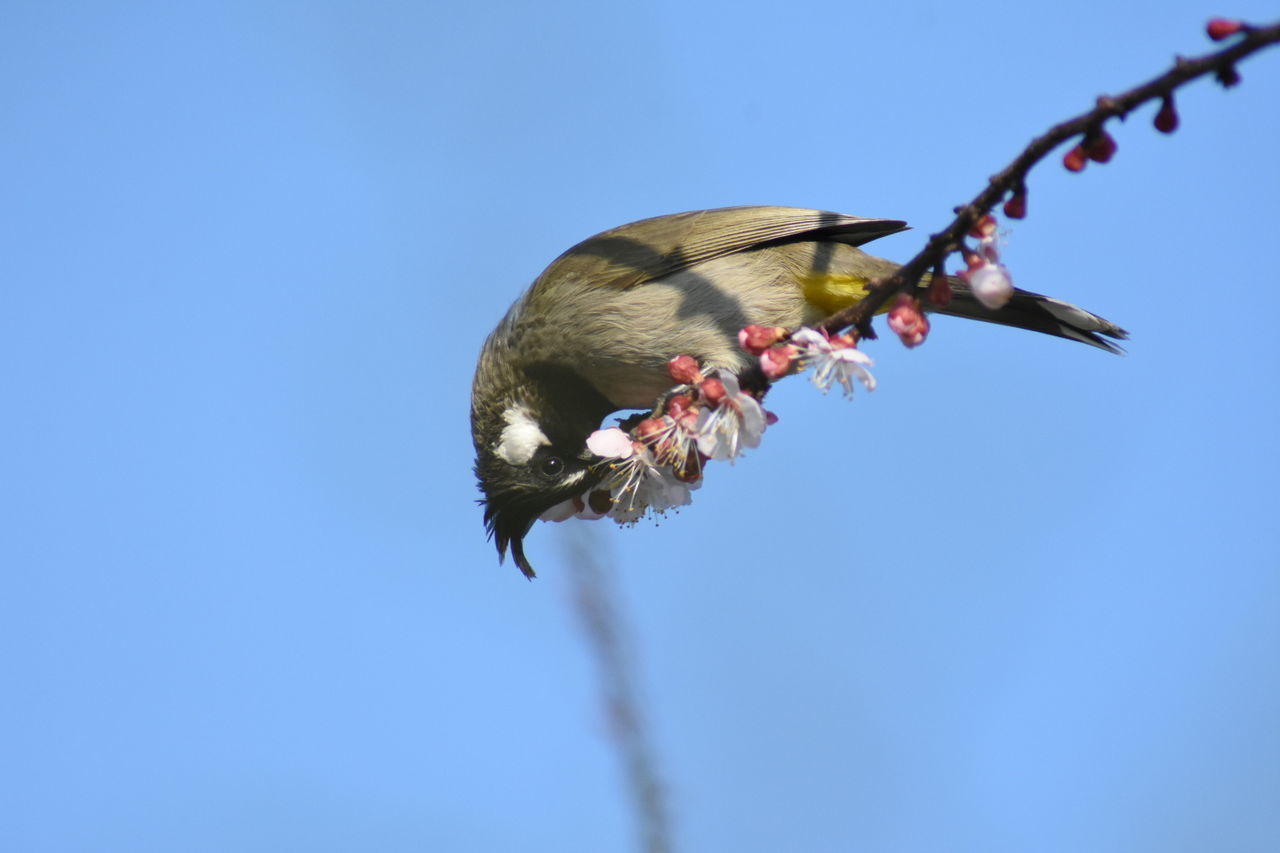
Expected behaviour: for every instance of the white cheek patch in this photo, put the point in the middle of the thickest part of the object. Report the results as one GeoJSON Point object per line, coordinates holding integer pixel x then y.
{"type": "Point", "coordinates": [521, 437]}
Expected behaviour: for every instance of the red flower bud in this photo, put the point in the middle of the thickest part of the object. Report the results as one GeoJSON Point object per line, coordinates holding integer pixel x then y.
{"type": "Point", "coordinates": [684, 369]}
{"type": "Point", "coordinates": [1075, 159]}
{"type": "Point", "coordinates": [713, 391]}
{"type": "Point", "coordinates": [1100, 146]}
{"type": "Point", "coordinates": [908, 322]}
{"type": "Point", "coordinates": [776, 361]}
{"type": "Point", "coordinates": [1016, 206]}
{"type": "Point", "coordinates": [756, 339]}
{"type": "Point", "coordinates": [1221, 28]}
{"type": "Point", "coordinates": [1167, 118]}
{"type": "Point", "coordinates": [649, 429]}
{"type": "Point", "coordinates": [678, 405]}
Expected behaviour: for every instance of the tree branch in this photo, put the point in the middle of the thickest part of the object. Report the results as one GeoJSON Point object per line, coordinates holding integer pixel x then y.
{"type": "Point", "coordinates": [1012, 180]}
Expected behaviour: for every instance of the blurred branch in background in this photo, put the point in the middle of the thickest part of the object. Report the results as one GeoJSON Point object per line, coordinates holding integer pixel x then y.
{"type": "Point", "coordinates": [595, 598]}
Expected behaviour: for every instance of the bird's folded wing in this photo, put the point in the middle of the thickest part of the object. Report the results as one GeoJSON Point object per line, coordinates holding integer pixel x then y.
{"type": "Point", "coordinates": [652, 248]}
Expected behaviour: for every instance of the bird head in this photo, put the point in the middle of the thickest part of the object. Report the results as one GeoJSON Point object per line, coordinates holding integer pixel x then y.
{"type": "Point", "coordinates": [530, 425]}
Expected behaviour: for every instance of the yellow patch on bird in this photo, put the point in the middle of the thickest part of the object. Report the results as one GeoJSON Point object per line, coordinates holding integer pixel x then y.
{"type": "Point", "coordinates": [829, 292]}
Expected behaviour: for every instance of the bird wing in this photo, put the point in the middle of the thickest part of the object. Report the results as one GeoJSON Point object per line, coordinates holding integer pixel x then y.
{"type": "Point", "coordinates": [652, 248]}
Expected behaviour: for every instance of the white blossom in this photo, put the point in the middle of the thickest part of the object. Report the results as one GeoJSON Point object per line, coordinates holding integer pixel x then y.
{"type": "Point", "coordinates": [639, 485]}
{"type": "Point", "coordinates": [991, 285]}
{"type": "Point", "coordinates": [831, 364]}
{"type": "Point", "coordinates": [737, 422]}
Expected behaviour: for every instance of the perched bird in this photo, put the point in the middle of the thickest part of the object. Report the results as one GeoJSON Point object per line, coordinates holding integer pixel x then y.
{"type": "Point", "coordinates": [595, 332]}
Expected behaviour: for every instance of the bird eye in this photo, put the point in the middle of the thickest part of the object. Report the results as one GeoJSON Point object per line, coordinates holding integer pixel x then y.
{"type": "Point", "coordinates": [551, 466]}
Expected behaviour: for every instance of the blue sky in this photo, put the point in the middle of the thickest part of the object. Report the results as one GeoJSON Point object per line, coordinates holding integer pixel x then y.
{"type": "Point", "coordinates": [1025, 596]}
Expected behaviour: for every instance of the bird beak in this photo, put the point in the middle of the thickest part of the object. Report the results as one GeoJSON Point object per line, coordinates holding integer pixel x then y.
{"type": "Point", "coordinates": [517, 553]}
{"type": "Point", "coordinates": [508, 529]}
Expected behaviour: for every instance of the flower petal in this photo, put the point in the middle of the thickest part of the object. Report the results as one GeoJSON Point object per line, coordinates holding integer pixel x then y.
{"type": "Point", "coordinates": [611, 443]}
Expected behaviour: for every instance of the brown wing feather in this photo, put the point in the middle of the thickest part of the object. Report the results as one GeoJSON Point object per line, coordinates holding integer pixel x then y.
{"type": "Point", "coordinates": [652, 248]}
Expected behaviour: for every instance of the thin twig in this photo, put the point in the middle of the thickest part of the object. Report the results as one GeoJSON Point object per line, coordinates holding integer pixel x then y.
{"type": "Point", "coordinates": [1013, 177]}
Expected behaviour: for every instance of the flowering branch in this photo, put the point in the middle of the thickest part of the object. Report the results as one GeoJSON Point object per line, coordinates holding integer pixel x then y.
{"type": "Point", "coordinates": [1095, 144]}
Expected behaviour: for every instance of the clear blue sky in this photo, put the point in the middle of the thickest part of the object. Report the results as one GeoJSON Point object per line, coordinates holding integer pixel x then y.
{"type": "Point", "coordinates": [1025, 596]}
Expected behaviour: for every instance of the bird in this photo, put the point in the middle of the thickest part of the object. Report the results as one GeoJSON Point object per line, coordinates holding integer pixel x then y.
{"type": "Point", "coordinates": [595, 331]}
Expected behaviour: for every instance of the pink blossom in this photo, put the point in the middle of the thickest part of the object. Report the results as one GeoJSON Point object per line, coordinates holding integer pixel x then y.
{"type": "Point", "coordinates": [611, 443]}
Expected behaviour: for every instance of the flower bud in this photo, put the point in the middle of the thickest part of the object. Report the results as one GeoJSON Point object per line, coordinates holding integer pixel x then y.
{"type": "Point", "coordinates": [649, 430]}
{"type": "Point", "coordinates": [775, 362]}
{"type": "Point", "coordinates": [713, 390]}
{"type": "Point", "coordinates": [1167, 118]}
{"type": "Point", "coordinates": [1221, 28]}
{"type": "Point", "coordinates": [908, 322]}
{"type": "Point", "coordinates": [678, 405]}
{"type": "Point", "coordinates": [1016, 206]}
{"type": "Point", "coordinates": [1075, 159]}
{"type": "Point", "coordinates": [684, 369]}
{"type": "Point", "coordinates": [1100, 146]}
{"type": "Point", "coordinates": [756, 339]}
{"type": "Point", "coordinates": [1227, 76]}
{"type": "Point", "coordinates": [688, 422]}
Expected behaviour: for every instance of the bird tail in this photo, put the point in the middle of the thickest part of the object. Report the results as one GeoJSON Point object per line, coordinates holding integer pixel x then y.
{"type": "Point", "coordinates": [1037, 313]}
